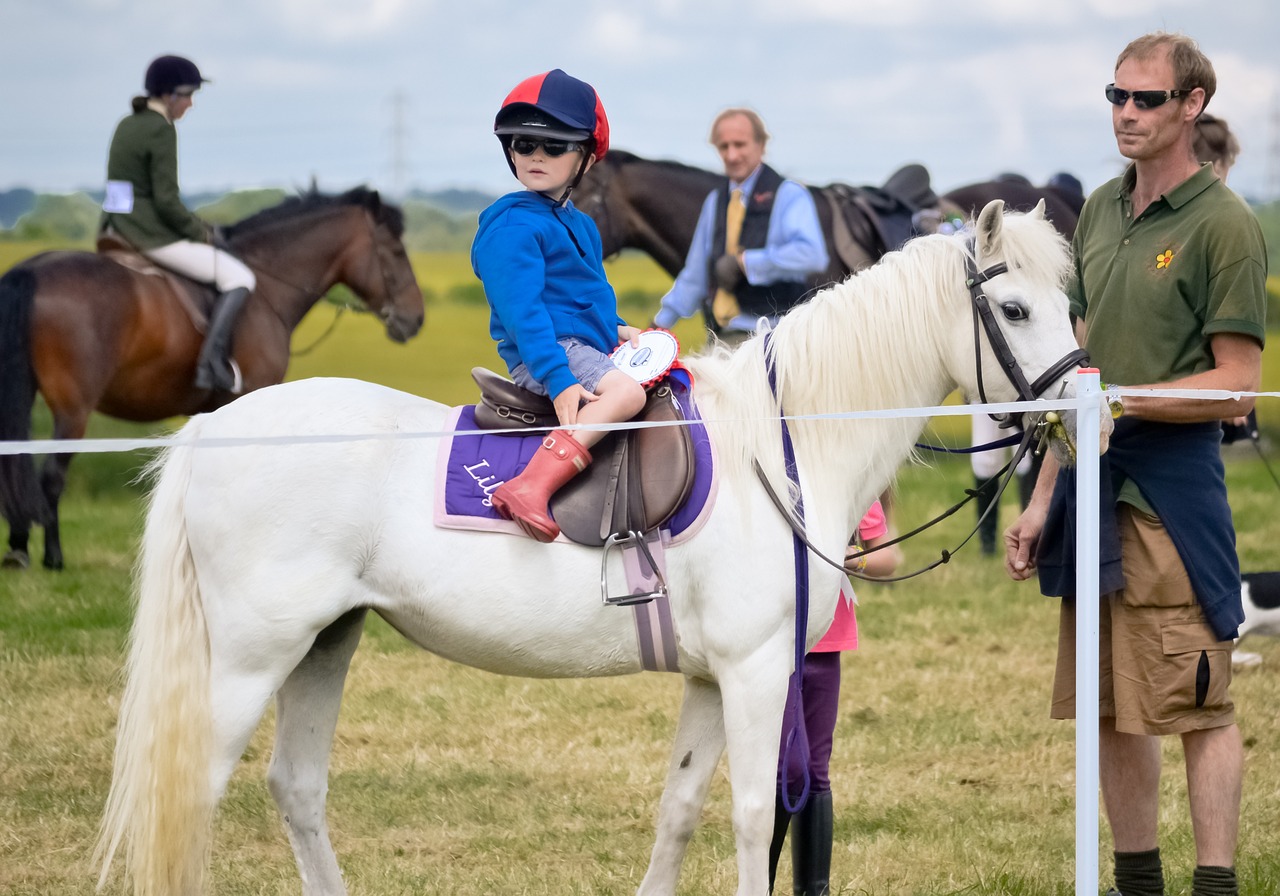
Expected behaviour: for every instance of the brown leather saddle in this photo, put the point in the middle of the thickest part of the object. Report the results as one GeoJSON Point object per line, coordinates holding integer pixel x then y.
{"type": "Point", "coordinates": [639, 478]}
{"type": "Point", "coordinates": [194, 298]}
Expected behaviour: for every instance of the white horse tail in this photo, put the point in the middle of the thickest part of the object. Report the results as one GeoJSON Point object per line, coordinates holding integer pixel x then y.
{"type": "Point", "coordinates": [161, 804]}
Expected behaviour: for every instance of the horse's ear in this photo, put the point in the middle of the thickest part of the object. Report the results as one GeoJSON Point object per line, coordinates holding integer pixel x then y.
{"type": "Point", "coordinates": [1038, 211]}
{"type": "Point", "coordinates": [990, 223]}
{"type": "Point", "coordinates": [374, 201]}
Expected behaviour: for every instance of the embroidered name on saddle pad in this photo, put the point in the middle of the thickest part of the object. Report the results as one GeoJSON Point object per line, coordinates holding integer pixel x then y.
{"type": "Point", "coordinates": [474, 463]}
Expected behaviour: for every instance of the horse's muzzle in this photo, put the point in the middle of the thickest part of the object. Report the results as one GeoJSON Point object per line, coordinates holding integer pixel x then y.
{"type": "Point", "coordinates": [402, 327]}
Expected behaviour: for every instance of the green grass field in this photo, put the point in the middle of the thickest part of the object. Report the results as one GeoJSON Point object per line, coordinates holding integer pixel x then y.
{"type": "Point", "coordinates": [949, 777]}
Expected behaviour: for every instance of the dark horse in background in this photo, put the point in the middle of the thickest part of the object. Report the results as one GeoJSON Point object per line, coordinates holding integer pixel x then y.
{"type": "Point", "coordinates": [653, 206]}
{"type": "Point", "coordinates": [109, 332]}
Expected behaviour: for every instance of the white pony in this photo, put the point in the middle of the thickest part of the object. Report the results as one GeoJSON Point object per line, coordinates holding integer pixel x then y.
{"type": "Point", "coordinates": [259, 562]}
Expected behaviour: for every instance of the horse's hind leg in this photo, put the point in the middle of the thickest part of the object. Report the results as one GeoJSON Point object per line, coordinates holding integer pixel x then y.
{"type": "Point", "coordinates": [699, 743]}
{"type": "Point", "coordinates": [17, 557]}
{"type": "Point", "coordinates": [306, 717]}
{"type": "Point", "coordinates": [53, 480]}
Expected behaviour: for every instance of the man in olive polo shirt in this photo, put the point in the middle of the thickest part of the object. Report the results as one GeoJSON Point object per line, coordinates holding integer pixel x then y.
{"type": "Point", "coordinates": [1169, 292]}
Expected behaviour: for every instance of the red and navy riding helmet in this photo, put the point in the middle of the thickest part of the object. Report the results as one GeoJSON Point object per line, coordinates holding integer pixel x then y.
{"type": "Point", "coordinates": [166, 74]}
{"type": "Point", "coordinates": [554, 105]}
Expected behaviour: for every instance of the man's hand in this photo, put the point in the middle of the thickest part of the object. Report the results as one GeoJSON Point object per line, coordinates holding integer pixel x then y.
{"type": "Point", "coordinates": [1021, 541]}
{"type": "Point", "coordinates": [728, 272]}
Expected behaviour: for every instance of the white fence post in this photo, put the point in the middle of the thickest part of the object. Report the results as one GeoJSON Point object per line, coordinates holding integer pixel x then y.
{"type": "Point", "coordinates": [1088, 434]}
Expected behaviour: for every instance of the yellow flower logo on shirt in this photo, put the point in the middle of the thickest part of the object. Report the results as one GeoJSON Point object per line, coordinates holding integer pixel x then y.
{"type": "Point", "coordinates": [1164, 259]}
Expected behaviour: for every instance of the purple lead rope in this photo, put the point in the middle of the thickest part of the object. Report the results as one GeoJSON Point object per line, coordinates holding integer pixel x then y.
{"type": "Point", "coordinates": [796, 736]}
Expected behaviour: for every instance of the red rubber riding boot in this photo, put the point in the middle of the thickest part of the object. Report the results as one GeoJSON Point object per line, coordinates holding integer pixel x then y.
{"type": "Point", "coordinates": [525, 498]}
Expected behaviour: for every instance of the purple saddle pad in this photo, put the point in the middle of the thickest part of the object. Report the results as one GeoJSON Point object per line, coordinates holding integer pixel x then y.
{"type": "Point", "coordinates": [476, 462]}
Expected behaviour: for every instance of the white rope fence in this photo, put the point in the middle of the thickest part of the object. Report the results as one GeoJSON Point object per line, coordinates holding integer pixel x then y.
{"type": "Point", "coordinates": [1090, 399]}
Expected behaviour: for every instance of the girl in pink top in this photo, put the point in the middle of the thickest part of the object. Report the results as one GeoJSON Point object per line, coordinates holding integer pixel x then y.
{"type": "Point", "coordinates": [820, 689]}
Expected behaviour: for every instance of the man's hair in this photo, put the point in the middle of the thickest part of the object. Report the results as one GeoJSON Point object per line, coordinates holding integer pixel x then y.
{"type": "Point", "coordinates": [1214, 141]}
{"type": "Point", "coordinates": [1191, 68]}
{"type": "Point", "coordinates": [757, 123]}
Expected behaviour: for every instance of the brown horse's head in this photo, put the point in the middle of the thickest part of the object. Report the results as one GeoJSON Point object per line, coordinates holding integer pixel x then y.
{"type": "Point", "coordinates": [354, 239]}
{"type": "Point", "coordinates": [391, 290]}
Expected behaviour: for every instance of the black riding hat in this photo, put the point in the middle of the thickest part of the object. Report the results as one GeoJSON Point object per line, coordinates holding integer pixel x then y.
{"type": "Point", "coordinates": [166, 74]}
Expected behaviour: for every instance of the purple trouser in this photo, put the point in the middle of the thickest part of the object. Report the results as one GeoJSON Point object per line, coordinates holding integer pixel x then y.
{"type": "Point", "coordinates": [820, 689]}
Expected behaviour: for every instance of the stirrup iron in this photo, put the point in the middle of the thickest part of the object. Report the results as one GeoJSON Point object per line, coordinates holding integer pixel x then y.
{"type": "Point", "coordinates": [635, 540]}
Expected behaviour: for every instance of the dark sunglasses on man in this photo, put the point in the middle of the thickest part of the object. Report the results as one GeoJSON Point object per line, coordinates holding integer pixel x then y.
{"type": "Point", "coordinates": [526, 146]}
{"type": "Point", "coordinates": [1144, 99]}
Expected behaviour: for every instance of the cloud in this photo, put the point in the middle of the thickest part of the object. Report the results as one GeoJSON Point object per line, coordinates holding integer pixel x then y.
{"type": "Point", "coordinates": [339, 20]}
{"type": "Point", "coordinates": [623, 36]}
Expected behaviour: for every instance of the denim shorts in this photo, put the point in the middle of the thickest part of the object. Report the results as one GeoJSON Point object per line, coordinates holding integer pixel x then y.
{"type": "Point", "coordinates": [586, 362]}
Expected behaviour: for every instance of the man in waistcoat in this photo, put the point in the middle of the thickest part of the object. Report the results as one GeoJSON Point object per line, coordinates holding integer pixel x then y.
{"type": "Point", "coordinates": [757, 241]}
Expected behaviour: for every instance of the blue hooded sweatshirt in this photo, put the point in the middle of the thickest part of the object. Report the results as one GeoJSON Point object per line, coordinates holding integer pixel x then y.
{"type": "Point", "coordinates": [543, 275]}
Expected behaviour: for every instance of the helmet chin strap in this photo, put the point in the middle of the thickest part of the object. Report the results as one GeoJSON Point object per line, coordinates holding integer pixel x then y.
{"type": "Point", "coordinates": [588, 148]}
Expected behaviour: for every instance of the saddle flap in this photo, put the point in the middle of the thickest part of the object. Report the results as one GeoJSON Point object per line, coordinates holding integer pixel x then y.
{"type": "Point", "coordinates": [505, 405]}
{"type": "Point", "coordinates": [195, 299]}
{"type": "Point", "coordinates": [113, 242]}
{"type": "Point", "coordinates": [638, 481]}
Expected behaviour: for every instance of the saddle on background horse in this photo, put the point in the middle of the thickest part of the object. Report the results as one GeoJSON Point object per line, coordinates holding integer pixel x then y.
{"type": "Point", "coordinates": [867, 222]}
{"type": "Point", "coordinates": [640, 477]}
{"type": "Point", "coordinates": [196, 299]}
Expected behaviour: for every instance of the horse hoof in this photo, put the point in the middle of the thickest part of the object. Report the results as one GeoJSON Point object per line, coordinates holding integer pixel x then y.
{"type": "Point", "coordinates": [15, 560]}
{"type": "Point", "coordinates": [53, 563]}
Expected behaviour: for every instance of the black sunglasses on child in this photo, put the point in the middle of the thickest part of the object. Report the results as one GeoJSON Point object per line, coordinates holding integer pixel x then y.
{"type": "Point", "coordinates": [526, 146]}
{"type": "Point", "coordinates": [1144, 99]}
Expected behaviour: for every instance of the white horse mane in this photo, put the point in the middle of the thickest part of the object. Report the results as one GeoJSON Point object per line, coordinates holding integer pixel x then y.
{"type": "Point", "coordinates": [878, 340]}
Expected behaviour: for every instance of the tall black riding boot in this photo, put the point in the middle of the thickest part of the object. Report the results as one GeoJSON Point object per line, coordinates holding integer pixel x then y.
{"type": "Point", "coordinates": [986, 489]}
{"type": "Point", "coordinates": [811, 846]}
{"type": "Point", "coordinates": [781, 821]}
{"type": "Point", "coordinates": [214, 369]}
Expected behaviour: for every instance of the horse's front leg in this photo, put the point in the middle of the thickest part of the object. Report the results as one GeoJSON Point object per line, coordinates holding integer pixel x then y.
{"type": "Point", "coordinates": [754, 695]}
{"type": "Point", "coordinates": [699, 743]}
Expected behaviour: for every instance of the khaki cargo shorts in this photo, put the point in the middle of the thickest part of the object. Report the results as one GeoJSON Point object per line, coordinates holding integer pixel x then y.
{"type": "Point", "coordinates": [1162, 669]}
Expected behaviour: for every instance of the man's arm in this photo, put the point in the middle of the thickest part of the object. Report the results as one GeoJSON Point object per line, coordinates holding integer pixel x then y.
{"type": "Point", "coordinates": [1237, 368]}
{"type": "Point", "coordinates": [691, 285]}
{"type": "Point", "coordinates": [1022, 539]}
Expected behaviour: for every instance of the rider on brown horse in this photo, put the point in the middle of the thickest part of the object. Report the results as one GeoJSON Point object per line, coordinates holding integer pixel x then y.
{"type": "Point", "coordinates": [143, 207]}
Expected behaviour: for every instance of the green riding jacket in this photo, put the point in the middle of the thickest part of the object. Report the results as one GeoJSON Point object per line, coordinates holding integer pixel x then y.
{"type": "Point", "coordinates": [144, 152]}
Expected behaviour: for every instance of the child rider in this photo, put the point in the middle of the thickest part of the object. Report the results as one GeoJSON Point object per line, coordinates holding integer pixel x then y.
{"type": "Point", "coordinates": [552, 312]}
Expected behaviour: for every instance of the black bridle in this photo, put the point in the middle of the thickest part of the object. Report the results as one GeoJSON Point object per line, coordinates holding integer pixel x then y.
{"type": "Point", "coordinates": [984, 319]}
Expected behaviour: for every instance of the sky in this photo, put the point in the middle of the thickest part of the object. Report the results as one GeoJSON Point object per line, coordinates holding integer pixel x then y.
{"type": "Point", "coordinates": [400, 94]}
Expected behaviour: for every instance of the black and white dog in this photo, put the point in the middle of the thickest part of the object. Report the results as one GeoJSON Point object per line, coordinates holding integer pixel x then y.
{"type": "Point", "coordinates": [1261, 594]}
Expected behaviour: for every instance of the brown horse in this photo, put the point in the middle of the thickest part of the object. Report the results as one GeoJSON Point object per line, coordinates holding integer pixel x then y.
{"type": "Point", "coordinates": [90, 333]}
{"type": "Point", "coordinates": [653, 206]}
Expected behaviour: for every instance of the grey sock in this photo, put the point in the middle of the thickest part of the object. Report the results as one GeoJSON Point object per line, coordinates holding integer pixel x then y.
{"type": "Point", "coordinates": [1139, 873]}
{"type": "Point", "coordinates": [1212, 880]}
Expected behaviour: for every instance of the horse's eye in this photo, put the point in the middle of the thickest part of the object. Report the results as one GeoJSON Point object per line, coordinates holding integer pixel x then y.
{"type": "Point", "coordinates": [1014, 311]}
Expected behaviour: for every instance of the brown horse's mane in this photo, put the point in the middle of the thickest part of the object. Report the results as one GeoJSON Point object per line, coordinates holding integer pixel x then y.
{"type": "Point", "coordinates": [621, 157]}
{"type": "Point", "coordinates": [312, 201]}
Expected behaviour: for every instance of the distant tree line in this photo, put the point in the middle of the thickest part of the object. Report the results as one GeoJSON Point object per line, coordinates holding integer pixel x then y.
{"type": "Point", "coordinates": [443, 221]}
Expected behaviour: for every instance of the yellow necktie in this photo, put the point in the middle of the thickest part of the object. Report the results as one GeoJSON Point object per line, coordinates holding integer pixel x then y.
{"type": "Point", "coordinates": [724, 307]}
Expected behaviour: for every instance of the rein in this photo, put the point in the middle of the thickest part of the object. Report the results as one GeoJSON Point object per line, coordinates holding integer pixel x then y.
{"type": "Point", "coordinates": [1005, 474]}
{"type": "Point", "coordinates": [983, 319]}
